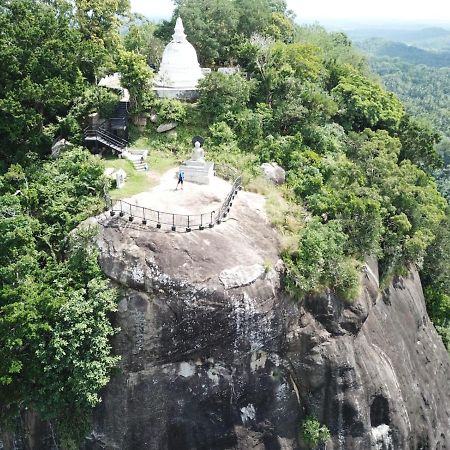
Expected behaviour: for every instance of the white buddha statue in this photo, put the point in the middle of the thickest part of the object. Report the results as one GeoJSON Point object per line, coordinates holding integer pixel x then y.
{"type": "Point", "coordinates": [198, 153]}
{"type": "Point", "coordinates": [179, 65]}
{"type": "Point", "coordinates": [197, 169]}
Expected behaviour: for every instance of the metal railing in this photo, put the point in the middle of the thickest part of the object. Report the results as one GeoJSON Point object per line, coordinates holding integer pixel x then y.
{"type": "Point", "coordinates": [186, 222]}
{"type": "Point", "coordinates": [118, 123]}
{"type": "Point", "coordinates": [101, 133]}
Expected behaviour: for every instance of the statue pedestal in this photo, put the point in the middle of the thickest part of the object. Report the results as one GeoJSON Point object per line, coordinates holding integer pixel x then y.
{"type": "Point", "coordinates": [200, 172]}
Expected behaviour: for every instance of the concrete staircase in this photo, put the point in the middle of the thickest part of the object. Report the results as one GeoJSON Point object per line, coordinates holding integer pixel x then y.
{"type": "Point", "coordinates": [135, 157]}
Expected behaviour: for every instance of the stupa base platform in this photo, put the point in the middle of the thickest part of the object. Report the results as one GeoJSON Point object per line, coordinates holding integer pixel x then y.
{"type": "Point", "coordinates": [176, 93]}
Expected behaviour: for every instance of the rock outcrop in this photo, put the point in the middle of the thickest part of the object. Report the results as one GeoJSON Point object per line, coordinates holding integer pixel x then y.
{"type": "Point", "coordinates": [215, 355]}
{"type": "Point", "coordinates": [273, 172]}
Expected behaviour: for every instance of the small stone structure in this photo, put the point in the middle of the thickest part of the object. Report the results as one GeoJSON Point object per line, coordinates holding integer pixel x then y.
{"type": "Point", "coordinates": [196, 169]}
{"type": "Point", "coordinates": [120, 178]}
{"type": "Point", "coordinates": [229, 70]}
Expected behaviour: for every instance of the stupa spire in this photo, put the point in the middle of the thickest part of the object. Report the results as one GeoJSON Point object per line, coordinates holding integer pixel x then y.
{"type": "Point", "coordinates": [178, 35]}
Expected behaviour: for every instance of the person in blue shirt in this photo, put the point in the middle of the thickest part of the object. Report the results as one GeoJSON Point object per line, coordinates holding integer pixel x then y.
{"type": "Point", "coordinates": [180, 179]}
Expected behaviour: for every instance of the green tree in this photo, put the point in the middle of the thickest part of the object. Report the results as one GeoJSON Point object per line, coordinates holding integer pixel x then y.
{"type": "Point", "coordinates": [135, 76]}
{"type": "Point", "coordinates": [264, 17]}
{"type": "Point", "coordinates": [141, 39]}
{"type": "Point", "coordinates": [54, 300]}
{"type": "Point", "coordinates": [222, 94]}
{"type": "Point", "coordinates": [278, 66]}
{"type": "Point", "coordinates": [171, 110]}
{"type": "Point", "coordinates": [364, 104]}
{"type": "Point", "coordinates": [419, 143]}
{"type": "Point", "coordinates": [435, 276]}
{"type": "Point", "coordinates": [99, 22]}
{"type": "Point", "coordinates": [40, 75]}
{"type": "Point", "coordinates": [321, 262]}
{"type": "Point", "coordinates": [336, 47]}
{"type": "Point", "coordinates": [210, 26]}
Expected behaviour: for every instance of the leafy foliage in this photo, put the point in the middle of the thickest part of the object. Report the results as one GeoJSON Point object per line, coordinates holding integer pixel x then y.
{"type": "Point", "coordinates": [40, 79]}
{"type": "Point", "coordinates": [363, 179]}
{"type": "Point", "coordinates": [140, 38]}
{"type": "Point", "coordinates": [217, 28]}
{"type": "Point", "coordinates": [54, 302]}
{"type": "Point", "coordinates": [313, 433]}
{"type": "Point", "coordinates": [135, 76]}
{"type": "Point", "coordinates": [222, 94]}
{"type": "Point", "coordinates": [366, 105]}
{"type": "Point", "coordinates": [424, 89]}
{"type": "Point", "coordinates": [321, 261]}
{"type": "Point", "coordinates": [419, 143]}
{"type": "Point", "coordinates": [171, 110]}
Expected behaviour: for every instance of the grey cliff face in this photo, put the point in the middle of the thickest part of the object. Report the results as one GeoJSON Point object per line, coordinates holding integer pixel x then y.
{"type": "Point", "coordinates": [216, 356]}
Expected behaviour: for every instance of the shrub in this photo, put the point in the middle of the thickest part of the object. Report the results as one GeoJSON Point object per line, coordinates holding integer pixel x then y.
{"type": "Point", "coordinates": [321, 261]}
{"type": "Point", "coordinates": [313, 433]}
{"type": "Point", "coordinates": [172, 111]}
{"type": "Point", "coordinates": [222, 94]}
{"type": "Point", "coordinates": [221, 133]}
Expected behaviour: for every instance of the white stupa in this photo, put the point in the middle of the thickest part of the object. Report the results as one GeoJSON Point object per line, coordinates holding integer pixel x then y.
{"type": "Point", "coordinates": [180, 71]}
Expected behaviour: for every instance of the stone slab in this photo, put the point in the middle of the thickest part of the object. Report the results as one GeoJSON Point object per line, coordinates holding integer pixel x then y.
{"type": "Point", "coordinates": [166, 127]}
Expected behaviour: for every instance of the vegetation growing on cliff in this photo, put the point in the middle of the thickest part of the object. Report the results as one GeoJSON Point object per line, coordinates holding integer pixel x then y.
{"type": "Point", "coordinates": [421, 79]}
{"type": "Point", "coordinates": [54, 300]}
{"type": "Point", "coordinates": [357, 165]}
{"type": "Point", "coordinates": [313, 433]}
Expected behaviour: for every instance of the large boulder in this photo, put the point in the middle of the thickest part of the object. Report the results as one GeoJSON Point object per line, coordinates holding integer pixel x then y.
{"type": "Point", "coordinates": [166, 127]}
{"type": "Point", "coordinates": [215, 355]}
{"type": "Point", "coordinates": [274, 173]}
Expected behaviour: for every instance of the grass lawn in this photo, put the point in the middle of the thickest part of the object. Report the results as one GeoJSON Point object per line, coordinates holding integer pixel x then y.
{"type": "Point", "coordinates": [158, 161]}
{"type": "Point", "coordinates": [135, 182]}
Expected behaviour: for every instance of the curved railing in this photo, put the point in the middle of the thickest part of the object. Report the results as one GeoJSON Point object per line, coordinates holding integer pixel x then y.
{"type": "Point", "coordinates": [188, 222]}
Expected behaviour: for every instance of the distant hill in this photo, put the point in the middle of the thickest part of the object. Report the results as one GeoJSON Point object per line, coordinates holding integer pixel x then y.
{"type": "Point", "coordinates": [432, 38]}
{"type": "Point", "coordinates": [408, 53]}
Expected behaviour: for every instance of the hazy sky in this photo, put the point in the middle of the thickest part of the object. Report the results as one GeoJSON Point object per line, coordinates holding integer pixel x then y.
{"type": "Point", "coordinates": [419, 11]}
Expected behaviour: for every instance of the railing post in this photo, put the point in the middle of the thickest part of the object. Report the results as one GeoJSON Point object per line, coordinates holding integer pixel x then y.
{"type": "Point", "coordinates": [173, 223]}
{"type": "Point", "coordinates": [158, 225]}
{"type": "Point", "coordinates": [188, 228]}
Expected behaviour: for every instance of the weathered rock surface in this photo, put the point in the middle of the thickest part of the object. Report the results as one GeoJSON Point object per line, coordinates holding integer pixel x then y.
{"type": "Point", "coordinates": [216, 356]}
{"type": "Point", "coordinates": [273, 172]}
{"type": "Point", "coordinates": [166, 127]}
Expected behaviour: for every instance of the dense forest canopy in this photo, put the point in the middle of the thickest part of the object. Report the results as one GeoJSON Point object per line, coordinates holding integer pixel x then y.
{"type": "Point", "coordinates": [424, 88]}
{"type": "Point", "coordinates": [359, 169]}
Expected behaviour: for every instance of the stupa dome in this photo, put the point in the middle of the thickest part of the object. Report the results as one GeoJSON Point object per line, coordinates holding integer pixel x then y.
{"type": "Point", "coordinates": [179, 65]}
